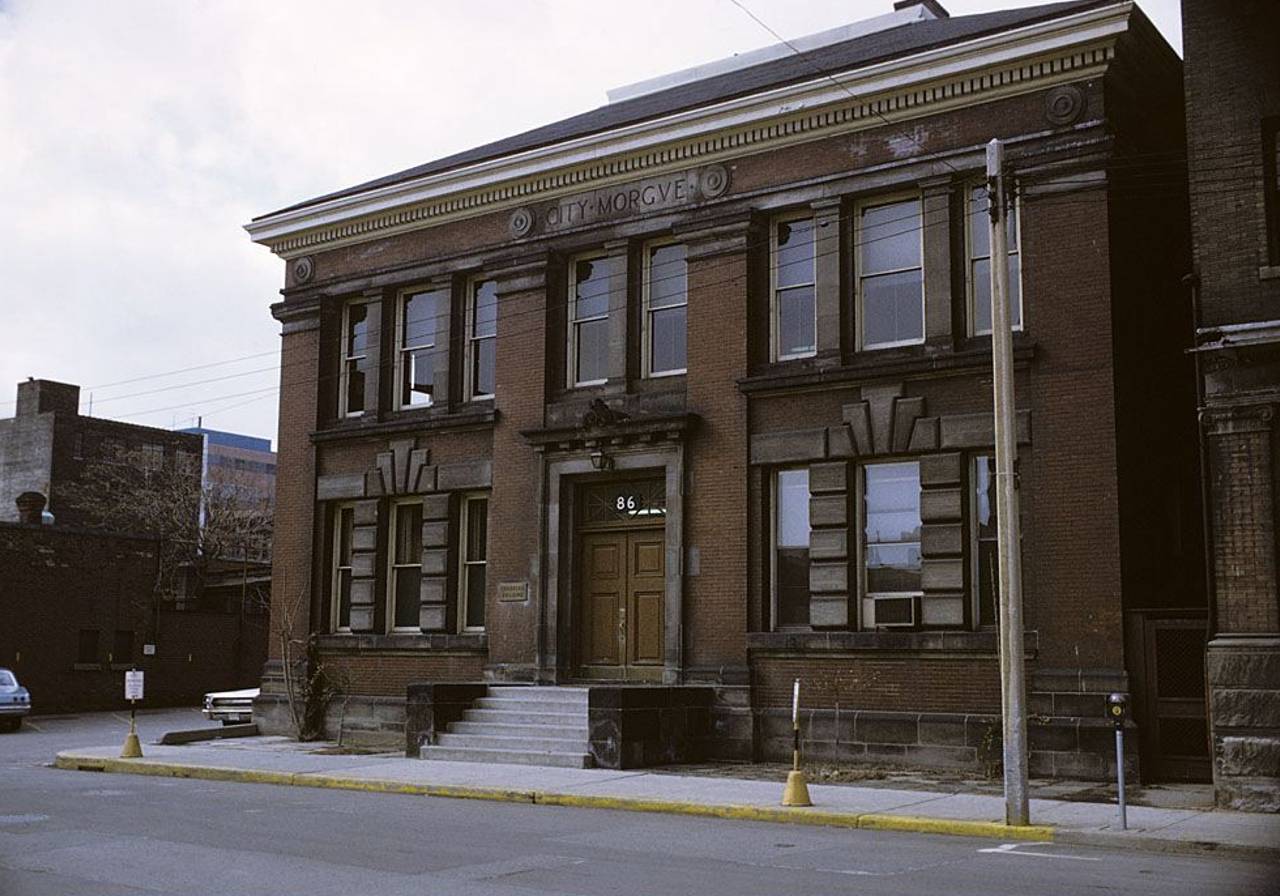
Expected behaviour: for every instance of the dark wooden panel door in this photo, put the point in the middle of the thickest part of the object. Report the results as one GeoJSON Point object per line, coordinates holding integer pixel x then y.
{"type": "Point", "coordinates": [603, 590]}
{"type": "Point", "coordinates": [646, 588]}
{"type": "Point", "coordinates": [622, 595]}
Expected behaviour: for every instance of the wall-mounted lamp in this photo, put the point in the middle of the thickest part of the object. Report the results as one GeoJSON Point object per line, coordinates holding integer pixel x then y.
{"type": "Point", "coordinates": [601, 461]}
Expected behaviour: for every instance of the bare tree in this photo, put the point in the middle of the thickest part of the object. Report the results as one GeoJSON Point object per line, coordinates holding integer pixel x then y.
{"type": "Point", "coordinates": [201, 521]}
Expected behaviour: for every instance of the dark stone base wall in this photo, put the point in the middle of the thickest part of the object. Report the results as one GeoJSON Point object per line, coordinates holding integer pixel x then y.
{"type": "Point", "coordinates": [635, 727]}
{"type": "Point", "coordinates": [1244, 701]}
{"type": "Point", "coordinates": [430, 707]}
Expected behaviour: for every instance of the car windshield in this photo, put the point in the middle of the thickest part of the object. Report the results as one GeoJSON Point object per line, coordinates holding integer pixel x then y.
{"type": "Point", "coordinates": [6, 679]}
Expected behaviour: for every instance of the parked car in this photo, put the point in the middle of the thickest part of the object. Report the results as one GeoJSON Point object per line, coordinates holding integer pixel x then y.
{"type": "Point", "coordinates": [15, 701]}
{"type": "Point", "coordinates": [230, 707]}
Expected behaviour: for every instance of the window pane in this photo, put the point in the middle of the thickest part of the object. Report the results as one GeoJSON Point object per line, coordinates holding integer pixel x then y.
{"type": "Point", "coordinates": [890, 237]}
{"type": "Point", "coordinates": [892, 528]}
{"type": "Point", "coordinates": [346, 523]}
{"type": "Point", "coordinates": [418, 377]}
{"type": "Point", "coordinates": [484, 309]}
{"type": "Point", "coordinates": [344, 598]}
{"type": "Point", "coordinates": [793, 509]}
{"type": "Point", "coordinates": [794, 264]}
{"type": "Point", "coordinates": [408, 579]}
{"type": "Point", "coordinates": [987, 562]}
{"type": "Point", "coordinates": [793, 586]}
{"type": "Point", "coordinates": [668, 339]}
{"type": "Point", "coordinates": [357, 329]}
{"type": "Point", "coordinates": [593, 351]}
{"type": "Point", "coordinates": [796, 322]}
{"type": "Point", "coordinates": [355, 385]}
{"type": "Point", "coordinates": [592, 281]}
{"type": "Point", "coordinates": [421, 317]}
{"type": "Point", "coordinates": [1015, 290]}
{"type": "Point", "coordinates": [892, 308]}
{"type": "Point", "coordinates": [477, 529]}
{"type": "Point", "coordinates": [982, 293]}
{"type": "Point", "coordinates": [668, 279]}
{"type": "Point", "coordinates": [408, 544]}
{"type": "Point", "coordinates": [483, 357]}
{"type": "Point", "coordinates": [475, 596]}
{"type": "Point", "coordinates": [980, 224]}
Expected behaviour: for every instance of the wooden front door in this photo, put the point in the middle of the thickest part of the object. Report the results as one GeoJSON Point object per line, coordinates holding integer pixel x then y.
{"type": "Point", "coordinates": [622, 590]}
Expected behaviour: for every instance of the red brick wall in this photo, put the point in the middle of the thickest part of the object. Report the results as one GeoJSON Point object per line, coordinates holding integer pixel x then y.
{"type": "Point", "coordinates": [890, 683]}
{"type": "Point", "coordinates": [389, 675]}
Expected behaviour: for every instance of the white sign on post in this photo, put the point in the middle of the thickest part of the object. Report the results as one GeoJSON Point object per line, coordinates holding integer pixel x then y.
{"type": "Point", "coordinates": [133, 685]}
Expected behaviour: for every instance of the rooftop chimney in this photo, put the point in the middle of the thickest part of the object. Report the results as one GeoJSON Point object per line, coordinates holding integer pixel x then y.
{"type": "Point", "coordinates": [30, 508]}
{"type": "Point", "coordinates": [42, 396]}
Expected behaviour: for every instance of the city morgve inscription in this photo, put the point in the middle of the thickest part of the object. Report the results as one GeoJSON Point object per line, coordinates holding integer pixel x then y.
{"type": "Point", "coordinates": [618, 202]}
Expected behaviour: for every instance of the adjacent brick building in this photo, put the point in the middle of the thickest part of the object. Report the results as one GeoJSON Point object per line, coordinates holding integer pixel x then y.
{"type": "Point", "coordinates": [693, 390]}
{"type": "Point", "coordinates": [1233, 119]}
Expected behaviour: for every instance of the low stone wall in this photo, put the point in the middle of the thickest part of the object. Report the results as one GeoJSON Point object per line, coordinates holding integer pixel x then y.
{"type": "Point", "coordinates": [635, 727]}
{"type": "Point", "coordinates": [1244, 705]}
{"type": "Point", "coordinates": [431, 706]}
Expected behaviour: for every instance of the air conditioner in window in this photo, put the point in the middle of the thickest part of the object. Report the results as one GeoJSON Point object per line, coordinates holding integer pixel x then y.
{"type": "Point", "coordinates": [897, 611]}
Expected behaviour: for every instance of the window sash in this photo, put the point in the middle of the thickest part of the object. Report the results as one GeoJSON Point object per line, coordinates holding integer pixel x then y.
{"type": "Point", "coordinates": [482, 340]}
{"type": "Point", "coordinates": [404, 554]}
{"type": "Point", "coordinates": [979, 284]}
{"type": "Point", "coordinates": [577, 323]}
{"type": "Point", "coordinates": [875, 504]}
{"type": "Point", "coordinates": [983, 544]}
{"type": "Point", "coordinates": [653, 311]}
{"type": "Point", "coordinates": [865, 273]}
{"type": "Point", "coordinates": [473, 554]}
{"type": "Point", "coordinates": [791, 482]}
{"type": "Point", "coordinates": [413, 350]}
{"type": "Point", "coordinates": [340, 581]}
{"type": "Point", "coordinates": [355, 364]}
{"type": "Point", "coordinates": [778, 291]}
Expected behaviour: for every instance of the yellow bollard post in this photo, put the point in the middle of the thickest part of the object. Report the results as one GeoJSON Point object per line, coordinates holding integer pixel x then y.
{"type": "Point", "coordinates": [796, 792]}
{"type": "Point", "coordinates": [132, 746]}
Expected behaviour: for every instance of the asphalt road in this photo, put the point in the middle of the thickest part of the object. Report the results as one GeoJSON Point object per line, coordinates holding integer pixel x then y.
{"type": "Point", "coordinates": [67, 833]}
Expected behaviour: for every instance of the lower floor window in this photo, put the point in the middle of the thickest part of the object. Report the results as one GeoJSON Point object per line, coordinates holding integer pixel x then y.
{"type": "Point", "coordinates": [986, 566]}
{"type": "Point", "coordinates": [791, 548]}
{"type": "Point", "coordinates": [406, 565]}
{"type": "Point", "coordinates": [891, 543]}
{"type": "Point", "coordinates": [473, 551]}
{"type": "Point", "coordinates": [344, 518]}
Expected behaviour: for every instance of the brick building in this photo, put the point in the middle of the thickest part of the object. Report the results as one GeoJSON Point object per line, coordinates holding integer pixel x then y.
{"type": "Point", "coordinates": [1233, 119]}
{"type": "Point", "coordinates": [688, 396]}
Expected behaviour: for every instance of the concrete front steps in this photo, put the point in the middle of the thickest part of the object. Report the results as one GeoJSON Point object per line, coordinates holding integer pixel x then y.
{"type": "Point", "coordinates": [520, 725]}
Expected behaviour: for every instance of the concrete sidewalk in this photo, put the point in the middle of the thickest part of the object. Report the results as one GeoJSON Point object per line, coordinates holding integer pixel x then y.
{"type": "Point", "coordinates": [272, 760]}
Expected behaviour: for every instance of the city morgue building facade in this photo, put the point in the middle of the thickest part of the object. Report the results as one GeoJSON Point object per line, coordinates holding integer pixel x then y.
{"type": "Point", "coordinates": [689, 396]}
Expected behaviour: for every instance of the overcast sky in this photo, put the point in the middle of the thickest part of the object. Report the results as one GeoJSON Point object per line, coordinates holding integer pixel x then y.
{"type": "Point", "coordinates": [136, 138]}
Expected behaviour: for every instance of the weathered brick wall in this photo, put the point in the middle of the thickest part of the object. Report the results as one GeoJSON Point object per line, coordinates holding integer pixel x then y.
{"type": "Point", "coordinates": [389, 675]}
{"type": "Point", "coordinates": [925, 684]}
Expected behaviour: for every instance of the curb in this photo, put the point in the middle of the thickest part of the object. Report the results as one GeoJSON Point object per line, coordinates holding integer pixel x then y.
{"type": "Point", "coordinates": [813, 817]}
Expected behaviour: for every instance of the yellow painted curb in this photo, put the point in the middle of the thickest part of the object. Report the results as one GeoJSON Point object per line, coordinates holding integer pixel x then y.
{"type": "Point", "coordinates": [806, 816]}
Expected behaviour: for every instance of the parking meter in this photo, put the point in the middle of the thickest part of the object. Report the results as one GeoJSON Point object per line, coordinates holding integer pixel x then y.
{"type": "Point", "coordinates": [1118, 709]}
{"type": "Point", "coordinates": [1117, 712]}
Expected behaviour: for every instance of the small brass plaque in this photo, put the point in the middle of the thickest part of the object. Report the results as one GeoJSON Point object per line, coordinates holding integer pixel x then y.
{"type": "Point", "coordinates": [513, 591]}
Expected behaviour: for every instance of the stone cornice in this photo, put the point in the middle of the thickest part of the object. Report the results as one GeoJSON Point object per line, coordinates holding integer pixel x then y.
{"type": "Point", "coordinates": [1013, 62]}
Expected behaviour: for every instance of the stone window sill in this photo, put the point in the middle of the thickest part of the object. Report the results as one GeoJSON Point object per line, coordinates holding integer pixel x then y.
{"type": "Point", "coordinates": [477, 642]}
{"type": "Point", "coordinates": [473, 414]}
{"type": "Point", "coordinates": [925, 643]}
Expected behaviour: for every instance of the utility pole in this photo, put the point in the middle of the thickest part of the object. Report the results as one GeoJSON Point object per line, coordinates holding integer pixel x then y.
{"type": "Point", "coordinates": [1008, 523]}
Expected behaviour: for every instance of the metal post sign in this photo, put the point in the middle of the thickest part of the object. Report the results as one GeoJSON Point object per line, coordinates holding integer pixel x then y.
{"type": "Point", "coordinates": [133, 685]}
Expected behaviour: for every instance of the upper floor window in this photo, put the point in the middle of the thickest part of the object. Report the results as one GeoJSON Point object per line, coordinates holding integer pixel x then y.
{"type": "Point", "coordinates": [591, 280]}
{"type": "Point", "coordinates": [891, 564]}
{"type": "Point", "coordinates": [978, 272]}
{"type": "Point", "coordinates": [421, 315]}
{"type": "Point", "coordinates": [791, 547]}
{"type": "Point", "coordinates": [890, 274]}
{"type": "Point", "coordinates": [666, 300]}
{"type": "Point", "coordinates": [344, 518]}
{"type": "Point", "coordinates": [482, 337]}
{"type": "Point", "coordinates": [405, 576]}
{"type": "Point", "coordinates": [358, 332]}
{"type": "Point", "coordinates": [473, 552]}
{"type": "Point", "coordinates": [794, 275]}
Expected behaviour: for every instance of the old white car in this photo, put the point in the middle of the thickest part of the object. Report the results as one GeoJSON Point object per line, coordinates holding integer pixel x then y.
{"type": "Point", "coordinates": [230, 707]}
{"type": "Point", "coordinates": [15, 702]}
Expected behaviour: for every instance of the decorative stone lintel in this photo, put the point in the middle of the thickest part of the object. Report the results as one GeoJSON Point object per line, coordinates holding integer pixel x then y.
{"type": "Point", "coordinates": [1236, 419]}
{"type": "Point", "coordinates": [625, 432]}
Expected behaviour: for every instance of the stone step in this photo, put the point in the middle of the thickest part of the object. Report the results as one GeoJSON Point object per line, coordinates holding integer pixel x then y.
{"type": "Point", "coordinates": [523, 717]}
{"type": "Point", "coordinates": [516, 705]}
{"type": "Point", "coordinates": [498, 729]}
{"type": "Point", "coordinates": [552, 695]}
{"type": "Point", "coordinates": [512, 757]}
{"type": "Point", "coordinates": [519, 744]}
